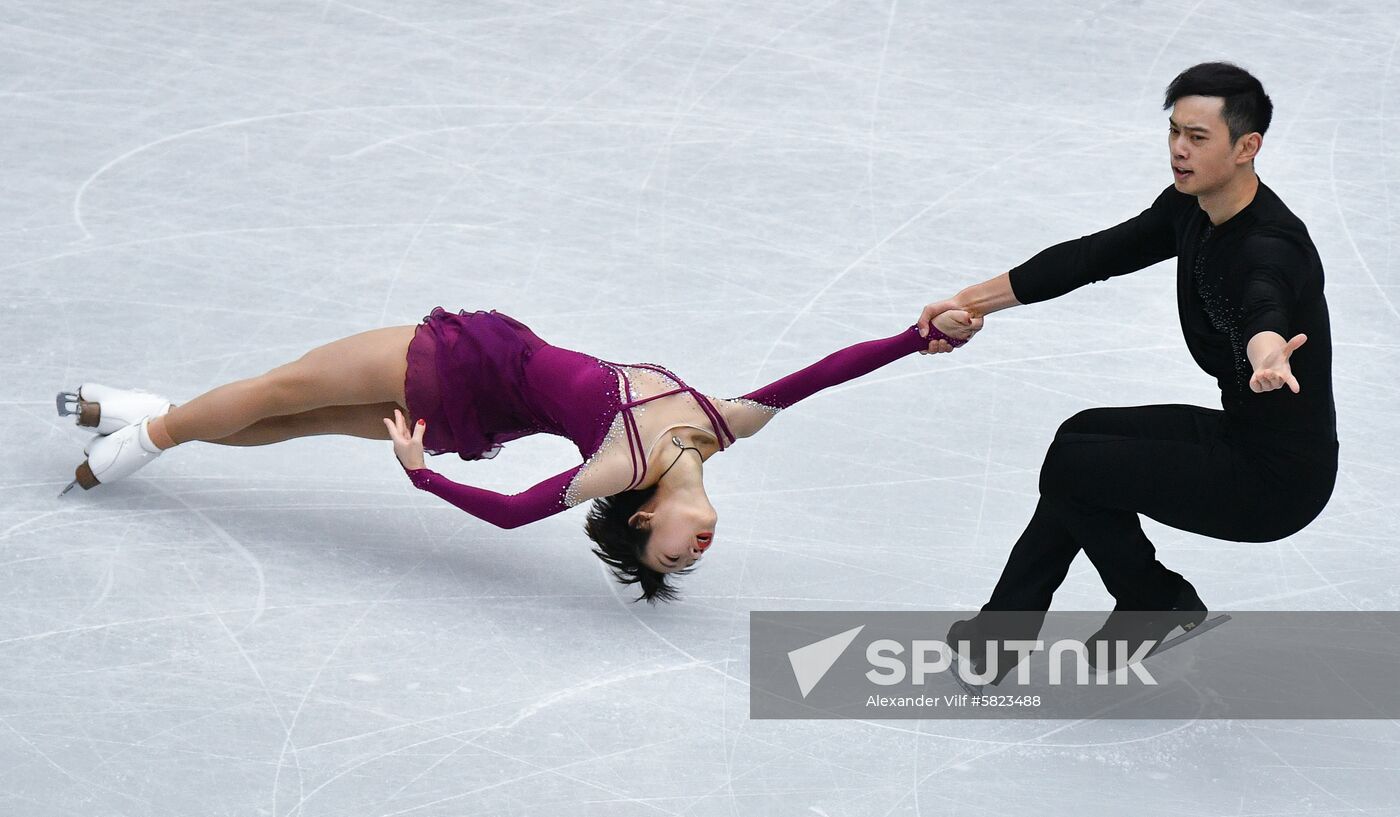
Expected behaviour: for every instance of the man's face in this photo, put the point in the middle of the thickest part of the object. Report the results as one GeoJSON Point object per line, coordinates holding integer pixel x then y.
{"type": "Point", "coordinates": [1202, 156]}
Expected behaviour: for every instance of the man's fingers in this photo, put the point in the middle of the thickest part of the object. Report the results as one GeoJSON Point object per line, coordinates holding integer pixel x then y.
{"type": "Point", "coordinates": [930, 312]}
{"type": "Point", "coordinates": [924, 318]}
{"type": "Point", "coordinates": [1268, 380]}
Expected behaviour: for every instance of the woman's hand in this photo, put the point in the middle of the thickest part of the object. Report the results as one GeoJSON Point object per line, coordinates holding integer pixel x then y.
{"type": "Point", "coordinates": [407, 447]}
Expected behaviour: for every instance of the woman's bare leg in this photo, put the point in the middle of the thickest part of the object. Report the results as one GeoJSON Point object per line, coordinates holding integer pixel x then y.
{"type": "Point", "coordinates": [365, 421]}
{"type": "Point", "coordinates": [357, 370]}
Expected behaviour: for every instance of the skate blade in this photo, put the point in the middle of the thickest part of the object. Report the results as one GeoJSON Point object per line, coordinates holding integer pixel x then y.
{"type": "Point", "coordinates": [67, 403]}
{"type": "Point", "coordinates": [1204, 627]}
{"type": "Point", "coordinates": [89, 413]}
{"type": "Point", "coordinates": [967, 686]}
{"type": "Point", "coordinates": [83, 477]}
{"type": "Point", "coordinates": [970, 689]}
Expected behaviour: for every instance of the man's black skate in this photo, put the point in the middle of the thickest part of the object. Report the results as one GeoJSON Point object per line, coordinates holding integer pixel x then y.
{"type": "Point", "coordinates": [994, 626]}
{"type": "Point", "coordinates": [1129, 636]}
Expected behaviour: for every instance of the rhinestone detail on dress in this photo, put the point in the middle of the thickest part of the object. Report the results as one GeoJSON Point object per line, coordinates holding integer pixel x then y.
{"type": "Point", "coordinates": [744, 401]}
{"type": "Point", "coordinates": [571, 493]}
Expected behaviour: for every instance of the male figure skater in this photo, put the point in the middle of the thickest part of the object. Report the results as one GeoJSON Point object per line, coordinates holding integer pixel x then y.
{"type": "Point", "coordinates": [1252, 312]}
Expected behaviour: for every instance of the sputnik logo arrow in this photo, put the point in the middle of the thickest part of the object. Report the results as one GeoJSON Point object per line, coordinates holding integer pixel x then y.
{"type": "Point", "coordinates": [811, 662]}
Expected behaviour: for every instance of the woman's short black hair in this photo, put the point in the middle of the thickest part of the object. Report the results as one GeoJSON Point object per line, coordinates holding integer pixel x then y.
{"type": "Point", "coordinates": [622, 546]}
{"type": "Point", "coordinates": [1247, 108]}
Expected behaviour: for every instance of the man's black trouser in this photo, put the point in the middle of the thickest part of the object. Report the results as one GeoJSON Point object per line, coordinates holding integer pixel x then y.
{"type": "Point", "coordinates": [1188, 467]}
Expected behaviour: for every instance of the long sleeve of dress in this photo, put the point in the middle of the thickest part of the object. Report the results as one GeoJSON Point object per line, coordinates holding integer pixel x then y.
{"type": "Point", "coordinates": [501, 510]}
{"type": "Point", "coordinates": [837, 368]}
{"type": "Point", "coordinates": [1139, 242]}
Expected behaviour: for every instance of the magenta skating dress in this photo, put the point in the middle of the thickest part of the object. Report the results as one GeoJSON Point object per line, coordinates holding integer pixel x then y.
{"type": "Point", "coordinates": [481, 379]}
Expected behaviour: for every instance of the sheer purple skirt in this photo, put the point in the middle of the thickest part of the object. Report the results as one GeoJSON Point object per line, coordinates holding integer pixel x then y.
{"type": "Point", "coordinates": [466, 378]}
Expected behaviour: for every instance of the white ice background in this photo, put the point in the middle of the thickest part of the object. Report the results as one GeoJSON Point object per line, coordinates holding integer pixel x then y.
{"type": "Point", "coordinates": [197, 192]}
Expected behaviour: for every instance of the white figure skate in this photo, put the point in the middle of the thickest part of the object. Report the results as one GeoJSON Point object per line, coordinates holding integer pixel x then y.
{"type": "Point", "coordinates": [116, 455]}
{"type": "Point", "coordinates": [103, 409]}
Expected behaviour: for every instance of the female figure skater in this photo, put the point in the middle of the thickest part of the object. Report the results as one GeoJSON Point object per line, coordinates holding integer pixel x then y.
{"type": "Point", "coordinates": [470, 382]}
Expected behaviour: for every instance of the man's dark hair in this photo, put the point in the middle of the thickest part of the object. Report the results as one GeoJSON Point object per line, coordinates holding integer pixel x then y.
{"type": "Point", "coordinates": [1247, 108]}
{"type": "Point", "coordinates": [622, 546]}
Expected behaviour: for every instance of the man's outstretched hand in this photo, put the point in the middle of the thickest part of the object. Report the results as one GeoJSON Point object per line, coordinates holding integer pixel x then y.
{"type": "Point", "coordinates": [1269, 355]}
{"type": "Point", "coordinates": [951, 321]}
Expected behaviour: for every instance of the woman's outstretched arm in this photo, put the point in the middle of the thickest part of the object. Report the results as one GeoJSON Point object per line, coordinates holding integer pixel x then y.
{"type": "Point", "coordinates": [502, 510]}
{"type": "Point", "coordinates": [749, 413]}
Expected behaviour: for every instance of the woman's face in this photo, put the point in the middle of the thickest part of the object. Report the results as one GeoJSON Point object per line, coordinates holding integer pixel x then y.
{"type": "Point", "coordinates": [681, 532]}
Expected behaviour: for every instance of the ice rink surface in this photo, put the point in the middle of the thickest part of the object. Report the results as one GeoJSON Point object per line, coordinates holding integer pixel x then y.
{"type": "Point", "coordinates": [197, 192]}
